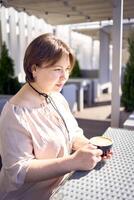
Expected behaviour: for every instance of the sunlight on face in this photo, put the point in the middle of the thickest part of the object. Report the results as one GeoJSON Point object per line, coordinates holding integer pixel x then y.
{"type": "Point", "coordinates": [52, 79]}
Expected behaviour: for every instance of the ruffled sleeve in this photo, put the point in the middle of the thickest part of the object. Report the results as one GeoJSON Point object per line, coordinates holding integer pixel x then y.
{"type": "Point", "coordinates": [16, 149]}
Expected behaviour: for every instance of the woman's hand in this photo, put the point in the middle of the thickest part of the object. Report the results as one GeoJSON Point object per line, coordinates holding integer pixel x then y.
{"type": "Point", "coordinates": [82, 141]}
{"type": "Point", "coordinates": [86, 157]}
{"type": "Point", "coordinates": [79, 142]}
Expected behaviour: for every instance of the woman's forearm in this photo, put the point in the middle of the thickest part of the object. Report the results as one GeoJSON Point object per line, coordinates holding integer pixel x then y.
{"type": "Point", "coordinates": [40, 170]}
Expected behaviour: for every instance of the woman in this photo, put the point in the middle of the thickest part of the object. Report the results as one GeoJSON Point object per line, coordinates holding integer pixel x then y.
{"type": "Point", "coordinates": [40, 140]}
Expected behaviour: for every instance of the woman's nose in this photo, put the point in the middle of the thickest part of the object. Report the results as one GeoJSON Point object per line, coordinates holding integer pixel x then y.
{"type": "Point", "coordinates": [64, 74]}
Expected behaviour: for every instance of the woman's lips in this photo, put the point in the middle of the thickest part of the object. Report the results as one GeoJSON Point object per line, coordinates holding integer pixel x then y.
{"type": "Point", "coordinates": [59, 85]}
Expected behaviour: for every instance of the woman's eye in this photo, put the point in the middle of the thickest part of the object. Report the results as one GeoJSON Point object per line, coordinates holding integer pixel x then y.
{"type": "Point", "coordinates": [57, 69]}
{"type": "Point", "coordinates": [68, 69]}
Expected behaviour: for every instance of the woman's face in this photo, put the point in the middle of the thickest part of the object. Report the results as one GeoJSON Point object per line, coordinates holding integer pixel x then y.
{"type": "Point", "coordinates": [52, 79]}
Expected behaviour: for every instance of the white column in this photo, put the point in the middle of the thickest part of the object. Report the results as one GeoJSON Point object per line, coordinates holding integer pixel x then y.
{"type": "Point", "coordinates": [70, 36]}
{"type": "Point", "coordinates": [0, 34]}
{"type": "Point", "coordinates": [22, 44]}
{"type": "Point", "coordinates": [13, 38]}
{"type": "Point", "coordinates": [92, 54]}
{"type": "Point", "coordinates": [117, 56]}
{"type": "Point", "coordinates": [104, 58]}
{"type": "Point", "coordinates": [4, 25]}
{"type": "Point", "coordinates": [36, 27]}
{"type": "Point", "coordinates": [29, 29]}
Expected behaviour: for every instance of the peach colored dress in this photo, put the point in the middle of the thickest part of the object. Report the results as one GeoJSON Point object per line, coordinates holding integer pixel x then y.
{"type": "Point", "coordinates": [33, 133]}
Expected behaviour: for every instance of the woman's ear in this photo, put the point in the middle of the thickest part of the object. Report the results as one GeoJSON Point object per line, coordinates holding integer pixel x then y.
{"type": "Point", "coordinates": [34, 70]}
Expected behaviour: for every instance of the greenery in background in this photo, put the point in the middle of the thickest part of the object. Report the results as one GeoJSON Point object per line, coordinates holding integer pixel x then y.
{"type": "Point", "coordinates": [76, 70]}
{"type": "Point", "coordinates": [8, 83]}
{"type": "Point", "coordinates": [127, 98]}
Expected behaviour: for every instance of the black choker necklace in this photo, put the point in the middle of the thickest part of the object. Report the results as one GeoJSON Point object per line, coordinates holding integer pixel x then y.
{"type": "Point", "coordinates": [40, 93]}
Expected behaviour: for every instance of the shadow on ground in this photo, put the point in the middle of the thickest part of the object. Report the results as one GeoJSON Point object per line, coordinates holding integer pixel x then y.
{"type": "Point", "coordinates": [93, 127]}
{"type": "Point", "coordinates": [123, 117]}
{"type": "Point", "coordinates": [97, 104]}
{"type": "Point", "coordinates": [98, 127]}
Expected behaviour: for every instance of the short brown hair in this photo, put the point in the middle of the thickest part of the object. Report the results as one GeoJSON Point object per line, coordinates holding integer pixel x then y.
{"type": "Point", "coordinates": [45, 48]}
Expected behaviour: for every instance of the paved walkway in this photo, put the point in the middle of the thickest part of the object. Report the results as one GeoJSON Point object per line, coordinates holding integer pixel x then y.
{"type": "Point", "coordinates": [96, 119]}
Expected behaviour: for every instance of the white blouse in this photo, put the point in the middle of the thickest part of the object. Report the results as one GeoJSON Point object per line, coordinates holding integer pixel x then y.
{"type": "Point", "coordinates": [33, 133]}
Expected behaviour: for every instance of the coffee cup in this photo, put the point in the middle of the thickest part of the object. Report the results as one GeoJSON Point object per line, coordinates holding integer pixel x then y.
{"type": "Point", "coordinates": [102, 142]}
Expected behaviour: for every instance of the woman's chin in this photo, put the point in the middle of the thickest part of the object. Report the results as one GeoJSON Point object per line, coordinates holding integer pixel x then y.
{"type": "Point", "coordinates": [57, 90]}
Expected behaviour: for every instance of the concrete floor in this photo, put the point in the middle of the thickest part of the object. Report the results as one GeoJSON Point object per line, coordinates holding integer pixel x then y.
{"type": "Point", "coordinates": [96, 119]}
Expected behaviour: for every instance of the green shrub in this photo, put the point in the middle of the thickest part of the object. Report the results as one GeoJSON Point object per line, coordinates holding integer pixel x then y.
{"type": "Point", "coordinates": [8, 83]}
{"type": "Point", "coordinates": [76, 70]}
{"type": "Point", "coordinates": [127, 98]}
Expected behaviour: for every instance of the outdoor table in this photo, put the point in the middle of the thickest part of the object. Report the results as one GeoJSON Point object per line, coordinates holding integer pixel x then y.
{"type": "Point", "coordinates": [109, 180]}
{"type": "Point", "coordinates": [81, 83]}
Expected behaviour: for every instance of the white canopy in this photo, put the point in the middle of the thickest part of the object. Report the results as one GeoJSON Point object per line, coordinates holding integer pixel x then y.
{"type": "Point", "coordinates": [128, 29]}
{"type": "Point", "coordinates": [57, 12]}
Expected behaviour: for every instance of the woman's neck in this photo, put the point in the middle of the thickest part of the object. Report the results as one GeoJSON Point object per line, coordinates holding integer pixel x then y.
{"type": "Point", "coordinates": [35, 86]}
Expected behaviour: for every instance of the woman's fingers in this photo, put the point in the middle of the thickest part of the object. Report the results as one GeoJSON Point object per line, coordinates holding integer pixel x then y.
{"type": "Point", "coordinates": [108, 155]}
{"type": "Point", "coordinates": [87, 157]}
{"type": "Point", "coordinates": [98, 152]}
{"type": "Point", "coordinates": [91, 146]}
